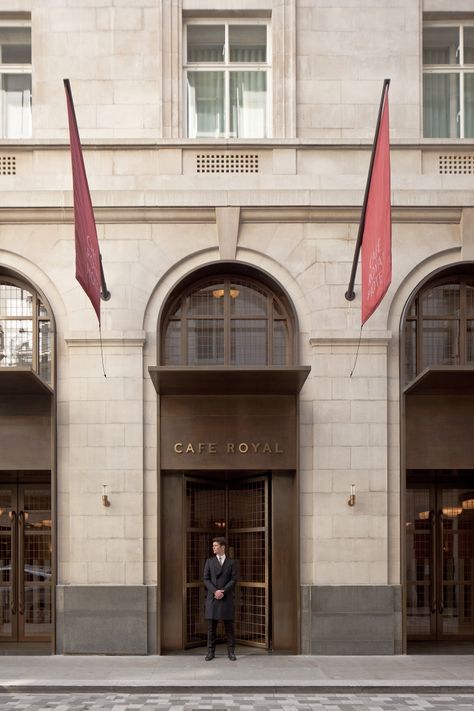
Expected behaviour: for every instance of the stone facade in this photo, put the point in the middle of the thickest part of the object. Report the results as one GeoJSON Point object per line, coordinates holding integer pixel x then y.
{"type": "Point", "coordinates": [296, 218]}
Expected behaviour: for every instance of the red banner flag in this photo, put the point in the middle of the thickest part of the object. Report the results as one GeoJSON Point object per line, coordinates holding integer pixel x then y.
{"type": "Point", "coordinates": [377, 235]}
{"type": "Point", "coordinates": [88, 272]}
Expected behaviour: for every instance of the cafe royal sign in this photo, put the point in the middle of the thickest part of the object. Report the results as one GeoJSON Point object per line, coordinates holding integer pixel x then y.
{"type": "Point", "coordinates": [228, 433]}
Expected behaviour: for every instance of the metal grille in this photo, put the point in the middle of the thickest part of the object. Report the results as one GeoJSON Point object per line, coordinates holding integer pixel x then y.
{"type": "Point", "coordinates": [238, 510]}
{"type": "Point", "coordinates": [457, 164]}
{"type": "Point", "coordinates": [7, 165]}
{"type": "Point", "coordinates": [227, 163]}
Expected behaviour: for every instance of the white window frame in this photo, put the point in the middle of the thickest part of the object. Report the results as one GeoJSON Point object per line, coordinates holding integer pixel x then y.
{"type": "Point", "coordinates": [226, 67]}
{"type": "Point", "coordinates": [459, 69]}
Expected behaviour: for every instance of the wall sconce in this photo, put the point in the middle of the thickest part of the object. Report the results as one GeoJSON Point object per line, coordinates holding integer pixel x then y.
{"type": "Point", "coordinates": [352, 496]}
{"type": "Point", "coordinates": [105, 498]}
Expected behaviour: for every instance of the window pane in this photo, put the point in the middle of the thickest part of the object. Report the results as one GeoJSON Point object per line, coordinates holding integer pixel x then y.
{"type": "Point", "coordinates": [248, 104]}
{"type": "Point", "coordinates": [441, 106]}
{"type": "Point", "coordinates": [248, 43]}
{"type": "Point", "coordinates": [440, 343]}
{"type": "Point", "coordinates": [470, 300]}
{"type": "Point", "coordinates": [172, 354]}
{"type": "Point", "coordinates": [15, 45]}
{"type": "Point", "coordinates": [469, 45]}
{"type": "Point", "coordinates": [280, 343]}
{"type": "Point", "coordinates": [16, 343]}
{"type": "Point", "coordinates": [441, 301]}
{"type": "Point", "coordinates": [441, 45]}
{"type": "Point", "coordinates": [469, 106]}
{"type": "Point", "coordinates": [247, 301]}
{"type": "Point", "coordinates": [410, 350]}
{"type": "Point", "coordinates": [207, 301]}
{"type": "Point", "coordinates": [248, 342]}
{"type": "Point", "coordinates": [205, 43]}
{"type": "Point", "coordinates": [205, 341]}
{"type": "Point", "coordinates": [470, 342]}
{"type": "Point", "coordinates": [205, 104]}
{"type": "Point", "coordinates": [44, 343]}
{"type": "Point", "coordinates": [15, 301]}
{"type": "Point", "coordinates": [16, 106]}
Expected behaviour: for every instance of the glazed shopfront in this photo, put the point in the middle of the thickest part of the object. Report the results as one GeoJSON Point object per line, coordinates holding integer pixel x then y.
{"type": "Point", "coordinates": [228, 457]}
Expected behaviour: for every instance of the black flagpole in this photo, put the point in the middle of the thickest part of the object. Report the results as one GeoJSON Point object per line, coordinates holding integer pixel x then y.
{"type": "Point", "coordinates": [350, 293]}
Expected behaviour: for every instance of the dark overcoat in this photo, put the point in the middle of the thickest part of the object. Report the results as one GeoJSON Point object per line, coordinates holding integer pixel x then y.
{"type": "Point", "coordinates": [220, 578]}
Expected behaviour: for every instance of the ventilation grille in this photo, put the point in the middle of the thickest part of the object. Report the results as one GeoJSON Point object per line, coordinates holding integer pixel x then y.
{"type": "Point", "coordinates": [227, 163]}
{"type": "Point", "coordinates": [7, 165]}
{"type": "Point", "coordinates": [462, 164]}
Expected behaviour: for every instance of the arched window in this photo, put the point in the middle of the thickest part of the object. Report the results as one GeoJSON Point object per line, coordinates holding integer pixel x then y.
{"type": "Point", "coordinates": [25, 328]}
{"type": "Point", "coordinates": [227, 320]}
{"type": "Point", "coordinates": [439, 327]}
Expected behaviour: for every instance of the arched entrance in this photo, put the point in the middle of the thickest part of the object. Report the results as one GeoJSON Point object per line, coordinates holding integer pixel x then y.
{"type": "Point", "coordinates": [26, 467]}
{"type": "Point", "coordinates": [438, 401]}
{"type": "Point", "coordinates": [228, 388]}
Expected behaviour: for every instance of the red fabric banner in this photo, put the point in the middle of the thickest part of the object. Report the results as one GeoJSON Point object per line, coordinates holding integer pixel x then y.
{"type": "Point", "coordinates": [87, 246]}
{"type": "Point", "coordinates": [377, 236]}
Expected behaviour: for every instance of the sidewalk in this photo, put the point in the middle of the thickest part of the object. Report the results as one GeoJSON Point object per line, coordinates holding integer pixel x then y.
{"type": "Point", "coordinates": [251, 673]}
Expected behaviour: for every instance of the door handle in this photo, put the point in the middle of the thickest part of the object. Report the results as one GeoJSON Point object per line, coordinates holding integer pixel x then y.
{"type": "Point", "coordinates": [21, 583]}
{"type": "Point", "coordinates": [433, 561]}
{"type": "Point", "coordinates": [12, 516]}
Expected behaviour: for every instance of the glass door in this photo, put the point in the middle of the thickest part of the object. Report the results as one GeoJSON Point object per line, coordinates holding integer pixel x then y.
{"type": "Point", "coordinates": [25, 563]}
{"type": "Point", "coordinates": [440, 563]}
{"type": "Point", "coordinates": [237, 510]}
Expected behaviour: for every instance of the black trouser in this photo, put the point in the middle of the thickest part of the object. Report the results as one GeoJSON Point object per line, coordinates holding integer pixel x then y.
{"type": "Point", "coordinates": [211, 634]}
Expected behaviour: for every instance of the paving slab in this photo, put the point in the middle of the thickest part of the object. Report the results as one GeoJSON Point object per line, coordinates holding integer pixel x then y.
{"type": "Point", "coordinates": [262, 672]}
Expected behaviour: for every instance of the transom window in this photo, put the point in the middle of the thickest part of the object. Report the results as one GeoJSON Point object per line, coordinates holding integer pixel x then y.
{"type": "Point", "coordinates": [25, 329]}
{"type": "Point", "coordinates": [227, 321]}
{"type": "Point", "coordinates": [15, 77]}
{"type": "Point", "coordinates": [439, 328]}
{"type": "Point", "coordinates": [227, 79]}
{"type": "Point", "coordinates": [448, 80]}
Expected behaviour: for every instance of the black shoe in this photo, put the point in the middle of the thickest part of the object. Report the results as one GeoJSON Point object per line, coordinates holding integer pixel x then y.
{"type": "Point", "coordinates": [209, 656]}
{"type": "Point", "coordinates": [231, 655]}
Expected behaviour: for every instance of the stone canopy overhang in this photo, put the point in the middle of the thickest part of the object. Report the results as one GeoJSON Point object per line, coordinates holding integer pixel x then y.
{"type": "Point", "coordinates": [22, 381]}
{"type": "Point", "coordinates": [443, 380]}
{"type": "Point", "coordinates": [226, 380]}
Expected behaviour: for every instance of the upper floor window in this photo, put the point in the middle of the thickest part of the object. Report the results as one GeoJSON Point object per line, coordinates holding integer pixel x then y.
{"type": "Point", "coordinates": [448, 80]}
{"type": "Point", "coordinates": [227, 79]}
{"type": "Point", "coordinates": [227, 321]}
{"type": "Point", "coordinates": [15, 76]}
{"type": "Point", "coordinates": [25, 329]}
{"type": "Point", "coordinates": [439, 329]}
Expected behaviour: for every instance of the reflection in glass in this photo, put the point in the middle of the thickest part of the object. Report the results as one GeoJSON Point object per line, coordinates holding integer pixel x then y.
{"type": "Point", "coordinates": [441, 300]}
{"type": "Point", "coordinates": [248, 342]}
{"type": "Point", "coordinates": [469, 105]}
{"type": "Point", "coordinates": [441, 45]}
{"type": "Point", "coordinates": [440, 342]}
{"type": "Point", "coordinates": [441, 106]}
{"type": "Point", "coordinates": [205, 342]}
{"type": "Point", "coordinates": [16, 105]}
{"type": "Point", "coordinates": [205, 104]}
{"type": "Point", "coordinates": [248, 104]}
{"type": "Point", "coordinates": [248, 43]}
{"type": "Point", "coordinates": [205, 43]}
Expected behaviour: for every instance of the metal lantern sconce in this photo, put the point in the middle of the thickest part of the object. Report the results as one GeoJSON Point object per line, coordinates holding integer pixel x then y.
{"type": "Point", "coordinates": [105, 498]}
{"type": "Point", "coordinates": [352, 496]}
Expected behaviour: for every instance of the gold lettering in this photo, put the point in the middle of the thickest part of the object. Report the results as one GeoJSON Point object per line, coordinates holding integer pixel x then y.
{"type": "Point", "coordinates": [243, 448]}
{"type": "Point", "coordinates": [201, 447]}
{"type": "Point", "coordinates": [255, 446]}
{"type": "Point", "coordinates": [190, 449]}
{"type": "Point", "coordinates": [266, 448]}
{"type": "Point", "coordinates": [178, 447]}
{"type": "Point", "coordinates": [277, 449]}
{"type": "Point", "coordinates": [230, 448]}
{"type": "Point", "coordinates": [212, 447]}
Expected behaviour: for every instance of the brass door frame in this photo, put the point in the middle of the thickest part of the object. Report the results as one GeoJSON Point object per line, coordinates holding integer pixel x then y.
{"type": "Point", "coordinates": [437, 581]}
{"type": "Point", "coordinates": [17, 604]}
